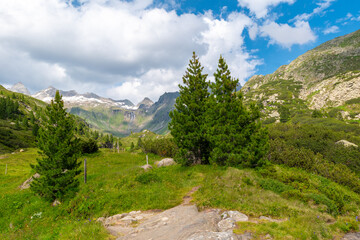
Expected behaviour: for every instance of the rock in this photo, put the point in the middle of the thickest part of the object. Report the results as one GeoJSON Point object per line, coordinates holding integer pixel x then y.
{"type": "Point", "coordinates": [101, 219]}
{"type": "Point", "coordinates": [352, 236]}
{"type": "Point", "coordinates": [56, 203]}
{"type": "Point", "coordinates": [128, 220]}
{"type": "Point", "coordinates": [265, 218]}
{"type": "Point", "coordinates": [146, 167]}
{"type": "Point", "coordinates": [236, 215]}
{"type": "Point", "coordinates": [346, 143]}
{"type": "Point", "coordinates": [165, 162]}
{"type": "Point", "coordinates": [26, 184]}
{"type": "Point", "coordinates": [226, 224]}
{"type": "Point", "coordinates": [213, 236]}
{"type": "Point", "coordinates": [21, 150]}
{"type": "Point", "coordinates": [245, 236]}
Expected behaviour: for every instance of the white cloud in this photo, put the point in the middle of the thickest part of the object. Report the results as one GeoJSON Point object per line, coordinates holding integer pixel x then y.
{"type": "Point", "coordinates": [286, 35]}
{"type": "Point", "coordinates": [332, 29]}
{"type": "Point", "coordinates": [224, 37]}
{"type": "Point", "coordinates": [112, 46]}
{"type": "Point", "coordinates": [322, 6]}
{"type": "Point", "coordinates": [261, 7]}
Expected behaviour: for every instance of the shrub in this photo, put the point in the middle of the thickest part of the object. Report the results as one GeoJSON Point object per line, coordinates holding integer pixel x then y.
{"type": "Point", "coordinates": [89, 145]}
{"type": "Point", "coordinates": [164, 147]}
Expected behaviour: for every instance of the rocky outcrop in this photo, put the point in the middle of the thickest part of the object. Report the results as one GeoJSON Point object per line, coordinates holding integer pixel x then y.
{"type": "Point", "coordinates": [347, 143]}
{"type": "Point", "coordinates": [165, 162]}
{"type": "Point", "coordinates": [26, 184]}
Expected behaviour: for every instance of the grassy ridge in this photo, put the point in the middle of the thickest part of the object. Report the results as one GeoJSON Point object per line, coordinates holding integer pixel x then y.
{"type": "Point", "coordinates": [116, 184]}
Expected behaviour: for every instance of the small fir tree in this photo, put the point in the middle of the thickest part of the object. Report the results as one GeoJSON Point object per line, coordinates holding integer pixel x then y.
{"type": "Point", "coordinates": [187, 119]}
{"type": "Point", "coordinates": [235, 134]}
{"type": "Point", "coordinates": [59, 149]}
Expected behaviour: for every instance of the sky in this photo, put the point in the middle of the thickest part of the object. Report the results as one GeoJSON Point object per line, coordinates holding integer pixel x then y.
{"type": "Point", "coordinates": [131, 49]}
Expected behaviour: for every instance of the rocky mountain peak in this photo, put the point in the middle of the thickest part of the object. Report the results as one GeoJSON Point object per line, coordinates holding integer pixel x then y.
{"type": "Point", "coordinates": [145, 103]}
{"type": "Point", "coordinates": [20, 88]}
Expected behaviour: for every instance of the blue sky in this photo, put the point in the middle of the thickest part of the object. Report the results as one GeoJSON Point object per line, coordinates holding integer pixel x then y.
{"type": "Point", "coordinates": [140, 48]}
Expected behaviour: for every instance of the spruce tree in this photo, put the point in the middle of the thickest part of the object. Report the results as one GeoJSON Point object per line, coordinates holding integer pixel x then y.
{"type": "Point", "coordinates": [234, 131]}
{"type": "Point", "coordinates": [59, 149]}
{"type": "Point", "coordinates": [187, 119]}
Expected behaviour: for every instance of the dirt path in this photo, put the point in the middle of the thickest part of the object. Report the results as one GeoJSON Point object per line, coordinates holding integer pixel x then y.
{"type": "Point", "coordinates": [181, 222]}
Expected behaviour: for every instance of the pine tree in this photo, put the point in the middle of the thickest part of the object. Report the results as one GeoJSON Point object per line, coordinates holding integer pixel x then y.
{"type": "Point", "coordinates": [235, 134]}
{"type": "Point", "coordinates": [187, 119]}
{"type": "Point", "coordinates": [59, 149]}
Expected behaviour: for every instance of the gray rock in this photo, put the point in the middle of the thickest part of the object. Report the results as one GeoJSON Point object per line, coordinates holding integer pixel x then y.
{"type": "Point", "coordinates": [213, 236]}
{"type": "Point", "coordinates": [165, 162]}
{"type": "Point", "coordinates": [226, 224]}
{"type": "Point", "coordinates": [245, 236]}
{"type": "Point", "coordinates": [346, 143]}
{"type": "Point", "coordinates": [265, 218]}
{"type": "Point", "coordinates": [236, 215]}
{"type": "Point", "coordinates": [352, 236]}
{"type": "Point", "coordinates": [56, 203]}
{"type": "Point", "coordinates": [26, 184]}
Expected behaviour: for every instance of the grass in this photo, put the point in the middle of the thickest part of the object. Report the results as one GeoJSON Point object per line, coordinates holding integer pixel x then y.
{"type": "Point", "coordinates": [116, 184]}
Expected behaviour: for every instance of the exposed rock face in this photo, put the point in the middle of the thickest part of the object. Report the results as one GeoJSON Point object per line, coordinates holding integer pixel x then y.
{"type": "Point", "coordinates": [326, 76]}
{"type": "Point", "coordinates": [26, 184]}
{"type": "Point", "coordinates": [20, 88]}
{"type": "Point", "coordinates": [165, 162]}
{"type": "Point", "coordinates": [145, 104]}
{"type": "Point", "coordinates": [235, 215]}
{"type": "Point", "coordinates": [347, 143]}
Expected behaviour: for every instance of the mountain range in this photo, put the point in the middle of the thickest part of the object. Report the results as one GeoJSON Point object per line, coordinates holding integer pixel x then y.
{"type": "Point", "coordinates": [119, 117]}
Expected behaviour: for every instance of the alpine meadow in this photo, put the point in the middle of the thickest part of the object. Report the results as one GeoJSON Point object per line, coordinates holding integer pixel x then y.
{"type": "Point", "coordinates": [180, 120]}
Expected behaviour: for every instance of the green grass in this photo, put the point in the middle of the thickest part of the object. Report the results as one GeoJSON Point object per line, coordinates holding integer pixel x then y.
{"type": "Point", "coordinates": [116, 184]}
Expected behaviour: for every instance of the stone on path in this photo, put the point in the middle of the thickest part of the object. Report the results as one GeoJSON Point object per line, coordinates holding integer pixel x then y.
{"type": "Point", "coordinates": [213, 236]}
{"type": "Point", "coordinates": [352, 236]}
{"type": "Point", "coordinates": [236, 215]}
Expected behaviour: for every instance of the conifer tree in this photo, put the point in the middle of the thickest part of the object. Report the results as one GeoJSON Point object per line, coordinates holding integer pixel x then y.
{"type": "Point", "coordinates": [187, 119]}
{"type": "Point", "coordinates": [59, 149]}
{"type": "Point", "coordinates": [235, 134]}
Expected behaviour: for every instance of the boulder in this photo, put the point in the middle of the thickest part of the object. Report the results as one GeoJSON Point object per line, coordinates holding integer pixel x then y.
{"type": "Point", "coordinates": [56, 203]}
{"type": "Point", "coordinates": [226, 224]}
{"type": "Point", "coordinates": [213, 235]}
{"type": "Point", "coordinates": [236, 215]}
{"type": "Point", "coordinates": [165, 162]}
{"type": "Point", "coordinates": [21, 150]}
{"type": "Point", "coordinates": [346, 143]}
{"type": "Point", "coordinates": [26, 184]}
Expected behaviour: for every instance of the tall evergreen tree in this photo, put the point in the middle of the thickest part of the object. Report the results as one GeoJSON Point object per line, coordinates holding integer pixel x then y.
{"type": "Point", "coordinates": [187, 119]}
{"type": "Point", "coordinates": [235, 134]}
{"type": "Point", "coordinates": [59, 149]}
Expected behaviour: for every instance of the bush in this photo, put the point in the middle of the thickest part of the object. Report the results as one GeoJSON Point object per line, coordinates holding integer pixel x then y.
{"type": "Point", "coordinates": [282, 153]}
{"type": "Point", "coordinates": [89, 145]}
{"type": "Point", "coordinates": [164, 147]}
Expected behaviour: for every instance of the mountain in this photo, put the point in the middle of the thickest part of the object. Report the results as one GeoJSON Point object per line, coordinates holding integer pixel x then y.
{"type": "Point", "coordinates": [324, 78]}
{"type": "Point", "coordinates": [88, 100]}
{"type": "Point", "coordinates": [122, 121]}
{"type": "Point", "coordinates": [145, 103]}
{"type": "Point", "coordinates": [20, 88]}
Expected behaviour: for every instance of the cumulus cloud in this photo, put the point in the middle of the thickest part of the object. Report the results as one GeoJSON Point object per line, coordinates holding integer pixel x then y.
{"type": "Point", "coordinates": [122, 49]}
{"type": "Point", "coordinates": [286, 35]}
{"type": "Point", "coordinates": [332, 29]}
{"type": "Point", "coordinates": [261, 7]}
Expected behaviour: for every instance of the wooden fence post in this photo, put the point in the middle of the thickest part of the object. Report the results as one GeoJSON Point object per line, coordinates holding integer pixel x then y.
{"type": "Point", "coordinates": [85, 173]}
{"type": "Point", "coordinates": [147, 160]}
{"type": "Point", "coordinates": [6, 169]}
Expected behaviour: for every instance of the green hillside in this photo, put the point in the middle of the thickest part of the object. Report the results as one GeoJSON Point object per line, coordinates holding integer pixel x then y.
{"type": "Point", "coordinates": [311, 207]}
{"type": "Point", "coordinates": [16, 127]}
